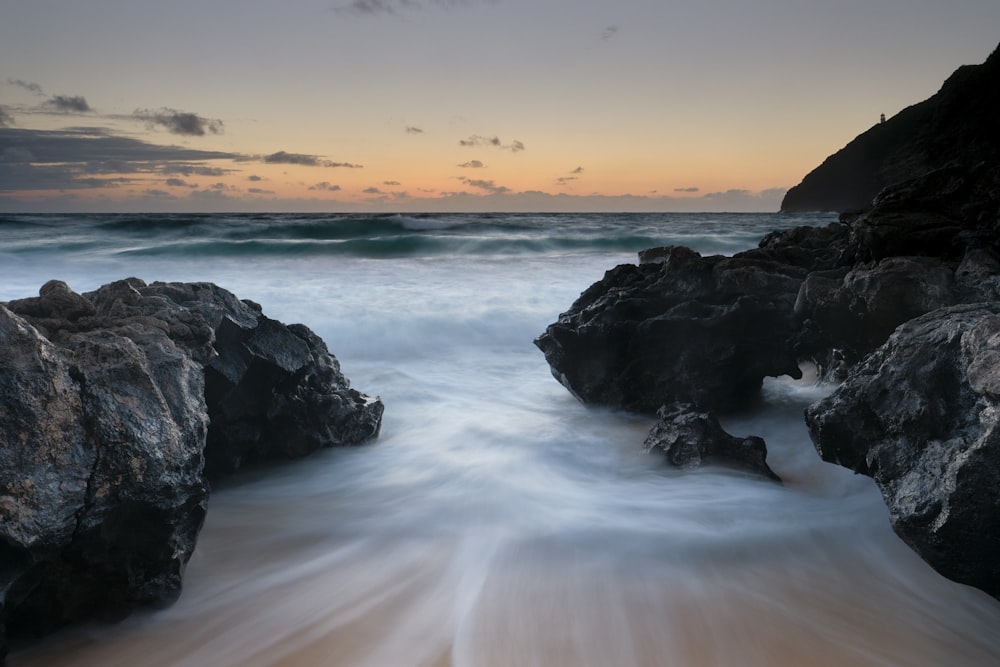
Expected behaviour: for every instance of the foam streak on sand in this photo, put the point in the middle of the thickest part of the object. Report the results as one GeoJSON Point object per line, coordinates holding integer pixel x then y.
{"type": "Point", "coordinates": [497, 521]}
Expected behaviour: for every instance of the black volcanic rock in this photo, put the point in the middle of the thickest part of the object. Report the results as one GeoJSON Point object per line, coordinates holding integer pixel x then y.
{"type": "Point", "coordinates": [902, 299]}
{"type": "Point", "coordinates": [689, 438]}
{"type": "Point", "coordinates": [956, 126]}
{"type": "Point", "coordinates": [704, 330]}
{"type": "Point", "coordinates": [105, 407]}
{"type": "Point", "coordinates": [921, 416]}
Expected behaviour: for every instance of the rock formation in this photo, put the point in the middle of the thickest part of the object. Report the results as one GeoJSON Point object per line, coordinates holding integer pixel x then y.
{"type": "Point", "coordinates": [690, 439]}
{"type": "Point", "coordinates": [918, 408]}
{"type": "Point", "coordinates": [104, 420]}
{"type": "Point", "coordinates": [640, 337]}
{"type": "Point", "coordinates": [956, 125]}
{"type": "Point", "coordinates": [921, 416]}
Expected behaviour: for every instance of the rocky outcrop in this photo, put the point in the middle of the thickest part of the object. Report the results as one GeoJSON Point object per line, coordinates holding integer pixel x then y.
{"type": "Point", "coordinates": [901, 299]}
{"type": "Point", "coordinates": [921, 416]}
{"type": "Point", "coordinates": [643, 335]}
{"type": "Point", "coordinates": [956, 126]}
{"type": "Point", "coordinates": [689, 439]}
{"type": "Point", "coordinates": [105, 407]}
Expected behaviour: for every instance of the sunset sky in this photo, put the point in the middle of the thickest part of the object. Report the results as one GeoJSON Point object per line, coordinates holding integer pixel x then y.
{"type": "Point", "coordinates": [466, 105]}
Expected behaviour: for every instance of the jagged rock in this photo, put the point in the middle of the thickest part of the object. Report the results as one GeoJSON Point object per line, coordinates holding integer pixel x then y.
{"type": "Point", "coordinates": [101, 487]}
{"type": "Point", "coordinates": [276, 390]}
{"type": "Point", "coordinates": [687, 328]}
{"type": "Point", "coordinates": [846, 315]}
{"type": "Point", "coordinates": [105, 400]}
{"type": "Point", "coordinates": [689, 438]}
{"type": "Point", "coordinates": [921, 416]}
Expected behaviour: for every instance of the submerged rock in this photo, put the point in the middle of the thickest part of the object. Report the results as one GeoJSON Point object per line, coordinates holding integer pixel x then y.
{"type": "Point", "coordinates": [689, 438]}
{"type": "Point", "coordinates": [105, 407]}
{"type": "Point", "coordinates": [921, 416]}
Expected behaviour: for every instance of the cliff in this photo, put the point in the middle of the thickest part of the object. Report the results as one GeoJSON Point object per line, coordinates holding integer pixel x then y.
{"type": "Point", "coordinates": [956, 126]}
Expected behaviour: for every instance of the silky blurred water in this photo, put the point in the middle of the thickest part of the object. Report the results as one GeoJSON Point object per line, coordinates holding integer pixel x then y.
{"type": "Point", "coordinates": [497, 521]}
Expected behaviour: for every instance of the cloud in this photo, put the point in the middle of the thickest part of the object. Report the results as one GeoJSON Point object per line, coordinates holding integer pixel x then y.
{"type": "Point", "coordinates": [178, 183]}
{"type": "Point", "coordinates": [372, 191]}
{"type": "Point", "coordinates": [413, 130]}
{"type": "Point", "coordinates": [391, 183]}
{"type": "Point", "coordinates": [254, 178]}
{"type": "Point", "coordinates": [6, 120]}
{"type": "Point", "coordinates": [188, 169]}
{"type": "Point", "coordinates": [260, 191]}
{"type": "Point", "coordinates": [479, 140]}
{"type": "Point", "coordinates": [472, 164]}
{"type": "Point", "coordinates": [31, 87]}
{"type": "Point", "coordinates": [692, 189]}
{"type": "Point", "coordinates": [179, 122]}
{"type": "Point", "coordinates": [76, 158]}
{"type": "Point", "coordinates": [282, 157]}
{"type": "Point", "coordinates": [157, 193]}
{"type": "Point", "coordinates": [325, 185]}
{"type": "Point", "coordinates": [578, 170]}
{"type": "Point", "coordinates": [376, 7]}
{"type": "Point", "coordinates": [489, 186]}
{"type": "Point", "coordinates": [727, 194]}
{"type": "Point", "coordinates": [609, 32]}
{"type": "Point", "coordinates": [565, 180]}
{"type": "Point", "coordinates": [68, 104]}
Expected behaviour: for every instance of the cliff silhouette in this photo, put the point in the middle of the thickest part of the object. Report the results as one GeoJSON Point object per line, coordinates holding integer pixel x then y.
{"type": "Point", "coordinates": [957, 126]}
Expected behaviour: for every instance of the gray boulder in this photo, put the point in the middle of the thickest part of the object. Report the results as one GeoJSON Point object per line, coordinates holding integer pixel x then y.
{"type": "Point", "coordinates": [921, 417]}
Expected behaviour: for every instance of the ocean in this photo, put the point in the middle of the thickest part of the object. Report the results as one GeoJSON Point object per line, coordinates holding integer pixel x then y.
{"type": "Point", "coordinates": [497, 521]}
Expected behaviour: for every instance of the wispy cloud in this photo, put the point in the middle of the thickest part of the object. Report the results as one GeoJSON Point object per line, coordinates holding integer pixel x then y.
{"type": "Point", "coordinates": [68, 104]}
{"type": "Point", "coordinates": [578, 170]}
{"type": "Point", "coordinates": [178, 183]}
{"type": "Point", "coordinates": [30, 86]}
{"type": "Point", "coordinates": [376, 7]}
{"type": "Point", "coordinates": [302, 159]}
{"type": "Point", "coordinates": [6, 120]}
{"type": "Point", "coordinates": [565, 180]}
{"type": "Point", "coordinates": [179, 122]}
{"type": "Point", "coordinates": [372, 191]}
{"type": "Point", "coordinates": [391, 183]}
{"type": "Point", "coordinates": [480, 140]}
{"type": "Point", "coordinates": [189, 169]}
{"type": "Point", "coordinates": [609, 32]}
{"type": "Point", "coordinates": [472, 164]}
{"type": "Point", "coordinates": [254, 178]}
{"type": "Point", "coordinates": [488, 186]}
{"type": "Point", "coordinates": [691, 189]}
{"type": "Point", "coordinates": [413, 130]}
{"type": "Point", "coordinates": [325, 186]}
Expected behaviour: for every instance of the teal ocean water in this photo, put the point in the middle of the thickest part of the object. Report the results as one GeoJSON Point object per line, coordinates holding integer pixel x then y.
{"type": "Point", "coordinates": [497, 521]}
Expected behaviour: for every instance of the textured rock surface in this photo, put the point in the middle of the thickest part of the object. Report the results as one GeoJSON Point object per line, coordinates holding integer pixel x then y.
{"type": "Point", "coordinates": [105, 401]}
{"type": "Point", "coordinates": [689, 438]}
{"type": "Point", "coordinates": [688, 328]}
{"type": "Point", "coordinates": [921, 417]}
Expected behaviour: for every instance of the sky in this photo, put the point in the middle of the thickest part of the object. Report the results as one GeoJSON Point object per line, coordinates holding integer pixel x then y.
{"type": "Point", "coordinates": [454, 105]}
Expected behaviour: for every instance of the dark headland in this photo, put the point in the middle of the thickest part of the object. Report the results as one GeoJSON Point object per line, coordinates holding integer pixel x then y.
{"type": "Point", "coordinates": [898, 303]}
{"type": "Point", "coordinates": [958, 125]}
